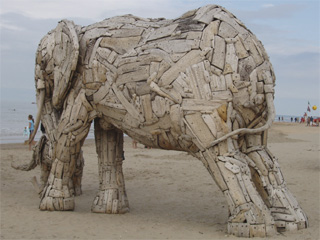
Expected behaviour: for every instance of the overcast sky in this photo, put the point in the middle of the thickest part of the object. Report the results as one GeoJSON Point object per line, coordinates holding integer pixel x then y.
{"type": "Point", "coordinates": [288, 29]}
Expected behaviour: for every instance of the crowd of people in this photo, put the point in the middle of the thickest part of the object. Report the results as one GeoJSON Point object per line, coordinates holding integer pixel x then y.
{"type": "Point", "coordinates": [311, 121]}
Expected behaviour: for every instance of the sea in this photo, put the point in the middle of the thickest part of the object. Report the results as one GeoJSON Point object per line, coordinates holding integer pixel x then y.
{"type": "Point", "coordinates": [14, 119]}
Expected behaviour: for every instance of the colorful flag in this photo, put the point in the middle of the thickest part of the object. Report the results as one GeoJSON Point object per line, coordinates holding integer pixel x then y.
{"type": "Point", "coordinates": [308, 109]}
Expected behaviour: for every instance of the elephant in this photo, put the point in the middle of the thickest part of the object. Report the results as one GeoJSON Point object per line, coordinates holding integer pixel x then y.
{"type": "Point", "coordinates": [201, 83]}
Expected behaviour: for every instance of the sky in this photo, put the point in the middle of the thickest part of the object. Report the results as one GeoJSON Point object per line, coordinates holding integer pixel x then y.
{"type": "Point", "coordinates": [289, 30]}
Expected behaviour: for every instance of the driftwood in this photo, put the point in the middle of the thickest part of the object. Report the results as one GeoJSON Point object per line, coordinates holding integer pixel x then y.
{"type": "Point", "coordinates": [201, 83]}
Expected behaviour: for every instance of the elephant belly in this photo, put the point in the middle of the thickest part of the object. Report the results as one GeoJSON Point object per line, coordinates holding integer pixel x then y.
{"type": "Point", "coordinates": [160, 132]}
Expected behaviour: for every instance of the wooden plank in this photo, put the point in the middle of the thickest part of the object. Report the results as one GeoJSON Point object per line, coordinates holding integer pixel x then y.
{"type": "Point", "coordinates": [194, 35]}
{"type": "Point", "coordinates": [205, 15]}
{"type": "Point", "coordinates": [159, 106]}
{"type": "Point", "coordinates": [233, 185]}
{"type": "Point", "coordinates": [190, 58]}
{"type": "Point", "coordinates": [210, 123]}
{"type": "Point", "coordinates": [240, 49]}
{"type": "Point", "coordinates": [124, 33]}
{"type": "Point", "coordinates": [174, 95]}
{"type": "Point", "coordinates": [249, 45]}
{"type": "Point", "coordinates": [120, 45]}
{"type": "Point", "coordinates": [208, 34]}
{"type": "Point", "coordinates": [147, 107]}
{"type": "Point", "coordinates": [101, 93]}
{"type": "Point", "coordinates": [200, 128]}
{"type": "Point", "coordinates": [193, 83]}
{"type": "Point", "coordinates": [259, 163]}
{"type": "Point", "coordinates": [257, 230]}
{"type": "Point", "coordinates": [214, 170]}
{"type": "Point", "coordinates": [218, 58]}
{"type": "Point", "coordinates": [175, 46]}
{"type": "Point", "coordinates": [111, 112]}
{"type": "Point", "coordinates": [227, 31]}
{"type": "Point", "coordinates": [200, 104]}
{"type": "Point", "coordinates": [254, 195]}
{"type": "Point", "coordinates": [200, 81]}
{"type": "Point", "coordinates": [141, 74]}
{"type": "Point", "coordinates": [232, 58]}
{"type": "Point", "coordinates": [128, 106]}
{"type": "Point", "coordinates": [162, 32]}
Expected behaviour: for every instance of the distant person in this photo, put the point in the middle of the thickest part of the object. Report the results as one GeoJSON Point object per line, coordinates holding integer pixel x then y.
{"type": "Point", "coordinates": [26, 131]}
{"type": "Point", "coordinates": [282, 119]}
{"type": "Point", "coordinates": [279, 118]}
{"type": "Point", "coordinates": [308, 121]}
{"type": "Point", "coordinates": [31, 130]}
{"type": "Point", "coordinates": [291, 119]}
{"type": "Point", "coordinates": [311, 121]}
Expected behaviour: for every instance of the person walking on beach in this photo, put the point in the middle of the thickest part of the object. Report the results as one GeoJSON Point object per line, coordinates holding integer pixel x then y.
{"type": "Point", "coordinates": [308, 121]}
{"type": "Point", "coordinates": [31, 129]}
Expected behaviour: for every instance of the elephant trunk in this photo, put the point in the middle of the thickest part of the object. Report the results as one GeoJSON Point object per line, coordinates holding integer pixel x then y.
{"type": "Point", "coordinates": [266, 126]}
{"type": "Point", "coordinates": [40, 106]}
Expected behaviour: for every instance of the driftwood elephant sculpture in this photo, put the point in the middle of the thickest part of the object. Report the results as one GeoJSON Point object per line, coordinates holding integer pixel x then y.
{"type": "Point", "coordinates": [201, 83]}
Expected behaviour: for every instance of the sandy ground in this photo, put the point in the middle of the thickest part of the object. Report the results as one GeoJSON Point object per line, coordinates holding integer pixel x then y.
{"type": "Point", "coordinates": [171, 194]}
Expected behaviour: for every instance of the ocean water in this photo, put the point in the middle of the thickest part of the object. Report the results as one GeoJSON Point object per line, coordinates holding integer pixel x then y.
{"type": "Point", "coordinates": [14, 118]}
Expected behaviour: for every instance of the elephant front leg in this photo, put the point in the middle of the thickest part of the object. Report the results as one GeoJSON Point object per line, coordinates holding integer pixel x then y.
{"type": "Point", "coordinates": [111, 197]}
{"type": "Point", "coordinates": [269, 181]}
{"type": "Point", "coordinates": [249, 216]}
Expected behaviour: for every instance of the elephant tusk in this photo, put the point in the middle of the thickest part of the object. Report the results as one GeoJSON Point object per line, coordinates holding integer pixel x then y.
{"type": "Point", "coordinates": [271, 116]}
{"type": "Point", "coordinates": [36, 125]}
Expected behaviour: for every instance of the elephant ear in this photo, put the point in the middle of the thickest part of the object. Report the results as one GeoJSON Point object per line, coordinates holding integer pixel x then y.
{"type": "Point", "coordinates": [65, 58]}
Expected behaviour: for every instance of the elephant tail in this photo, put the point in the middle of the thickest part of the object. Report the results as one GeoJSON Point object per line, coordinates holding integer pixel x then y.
{"type": "Point", "coordinates": [36, 156]}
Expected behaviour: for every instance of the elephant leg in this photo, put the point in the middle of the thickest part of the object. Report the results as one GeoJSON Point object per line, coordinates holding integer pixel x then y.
{"type": "Point", "coordinates": [270, 183]}
{"type": "Point", "coordinates": [248, 214]}
{"type": "Point", "coordinates": [74, 126]}
{"type": "Point", "coordinates": [111, 197]}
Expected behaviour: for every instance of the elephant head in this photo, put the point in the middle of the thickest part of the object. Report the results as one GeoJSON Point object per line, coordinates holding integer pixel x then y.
{"type": "Point", "coordinates": [56, 60]}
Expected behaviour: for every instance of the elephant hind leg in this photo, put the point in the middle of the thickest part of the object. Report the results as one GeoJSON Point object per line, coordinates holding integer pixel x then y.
{"type": "Point", "coordinates": [111, 197]}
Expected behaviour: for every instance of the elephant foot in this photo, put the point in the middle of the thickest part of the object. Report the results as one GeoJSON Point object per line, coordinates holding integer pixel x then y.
{"type": "Point", "coordinates": [110, 201]}
{"type": "Point", "coordinates": [250, 220]}
{"type": "Point", "coordinates": [57, 198]}
{"type": "Point", "coordinates": [57, 204]}
{"type": "Point", "coordinates": [285, 210]}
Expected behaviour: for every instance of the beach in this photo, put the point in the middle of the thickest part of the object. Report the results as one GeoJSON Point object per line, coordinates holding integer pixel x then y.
{"type": "Point", "coordinates": [171, 194]}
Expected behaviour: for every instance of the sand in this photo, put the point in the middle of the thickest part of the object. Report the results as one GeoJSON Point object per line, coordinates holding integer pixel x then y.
{"type": "Point", "coordinates": [171, 194]}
